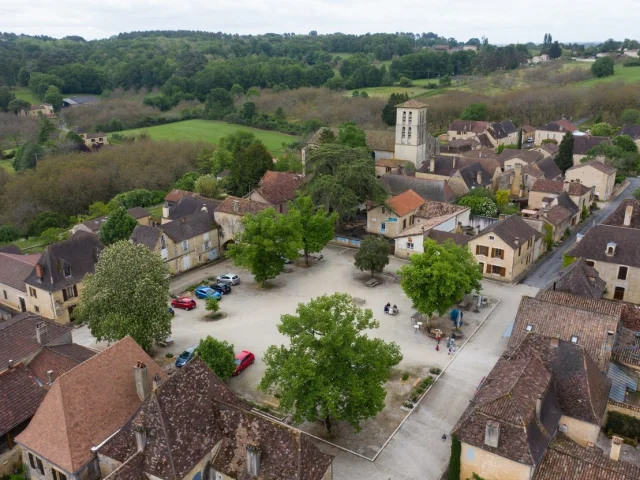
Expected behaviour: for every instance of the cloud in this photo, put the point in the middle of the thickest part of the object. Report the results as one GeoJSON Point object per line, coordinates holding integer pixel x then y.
{"type": "Point", "coordinates": [502, 22]}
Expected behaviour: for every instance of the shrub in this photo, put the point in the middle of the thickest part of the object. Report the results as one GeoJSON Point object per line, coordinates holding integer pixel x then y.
{"type": "Point", "coordinates": [405, 376]}
{"type": "Point", "coordinates": [8, 233]}
{"type": "Point", "coordinates": [602, 67]}
{"type": "Point", "coordinates": [212, 305]}
{"type": "Point", "coordinates": [405, 82]}
{"type": "Point", "coordinates": [435, 370]}
{"type": "Point", "coordinates": [620, 178]}
{"type": "Point", "coordinates": [626, 425]}
{"type": "Point", "coordinates": [636, 194]}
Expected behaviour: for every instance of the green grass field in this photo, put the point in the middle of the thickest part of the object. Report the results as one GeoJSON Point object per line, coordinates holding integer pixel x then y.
{"type": "Point", "coordinates": [625, 74]}
{"type": "Point", "coordinates": [7, 165]}
{"type": "Point", "coordinates": [23, 93]}
{"type": "Point", "coordinates": [210, 131]}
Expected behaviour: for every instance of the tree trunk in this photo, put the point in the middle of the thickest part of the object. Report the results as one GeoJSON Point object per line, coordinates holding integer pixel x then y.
{"type": "Point", "coordinates": [306, 257]}
{"type": "Point", "coordinates": [327, 424]}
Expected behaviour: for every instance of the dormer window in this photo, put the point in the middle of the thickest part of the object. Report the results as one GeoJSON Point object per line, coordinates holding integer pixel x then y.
{"type": "Point", "coordinates": [574, 339]}
{"type": "Point", "coordinates": [67, 271]}
{"type": "Point", "coordinates": [529, 328]}
{"type": "Point", "coordinates": [611, 249]}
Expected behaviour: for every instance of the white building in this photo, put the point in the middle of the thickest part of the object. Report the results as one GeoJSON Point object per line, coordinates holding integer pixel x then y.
{"type": "Point", "coordinates": [411, 132]}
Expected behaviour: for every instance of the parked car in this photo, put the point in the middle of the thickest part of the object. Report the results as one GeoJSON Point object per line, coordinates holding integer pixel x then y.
{"type": "Point", "coordinates": [172, 312]}
{"type": "Point", "coordinates": [185, 357]}
{"type": "Point", "coordinates": [184, 302]}
{"type": "Point", "coordinates": [207, 292]}
{"type": "Point", "coordinates": [229, 279]}
{"type": "Point", "coordinates": [223, 288]}
{"type": "Point", "coordinates": [243, 360]}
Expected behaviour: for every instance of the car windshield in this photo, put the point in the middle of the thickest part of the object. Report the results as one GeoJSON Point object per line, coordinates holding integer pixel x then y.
{"type": "Point", "coordinates": [238, 361]}
{"type": "Point", "coordinates": [185, 355]}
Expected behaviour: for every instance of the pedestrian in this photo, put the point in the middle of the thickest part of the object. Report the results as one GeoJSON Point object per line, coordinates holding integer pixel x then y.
{"type": "Point", "coordinates": [449, 350]}
{"type": "Point", "coordinates": [438, 337]}
{"type": "Point", "coordinates": [444, 437]}
{"type": "Point", "coordinates": [437, 348]}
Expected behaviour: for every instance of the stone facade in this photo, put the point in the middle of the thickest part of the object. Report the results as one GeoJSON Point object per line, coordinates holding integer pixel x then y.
{"type": "Point", "coordinates": [491, 466]}
{"type": "Point", "coordinates": [188, 253]}
{"type": "Point", "coordinates": [627, 289]}
{"type": "Point", "coordinates": [384, 221]}
{"type": "Point", "coordinates": [501, 262]}
{"type": "Point", "coordinates": [411, 133]}
{"type": "Point", "coordinates": [56, 305]}
{"type": "Point", "coordinates": [580, 432]}
{"type": "Point", "coordinates": [602, 182]}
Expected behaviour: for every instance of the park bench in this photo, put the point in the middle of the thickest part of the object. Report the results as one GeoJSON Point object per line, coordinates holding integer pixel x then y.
{"type": "Point", "coordinates": [358, 300]}
{"type": "Point", "coordinates": [372, 283]}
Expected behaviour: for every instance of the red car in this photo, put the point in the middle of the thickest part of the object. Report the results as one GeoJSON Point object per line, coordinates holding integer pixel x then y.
{"type": "Point", "coordinates": [184, 302]}
{"type": "Point", "coordinates": [243, 360]}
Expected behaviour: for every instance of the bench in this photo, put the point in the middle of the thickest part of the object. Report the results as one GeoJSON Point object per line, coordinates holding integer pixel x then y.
{"type": "Point", "coordinates": [166, 342]}
{"type": "Point", "coordinates": [372, 283]}
{"type": "Point", "coordinates": [358, 300]}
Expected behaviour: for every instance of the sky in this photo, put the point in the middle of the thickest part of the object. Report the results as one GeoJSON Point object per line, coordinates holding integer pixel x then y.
{"type": "Point", "coordinates": [502, 22]}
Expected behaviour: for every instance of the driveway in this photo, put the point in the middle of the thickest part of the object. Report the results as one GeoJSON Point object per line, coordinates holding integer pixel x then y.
{"type": "Point", "coordinates": [542, 274]}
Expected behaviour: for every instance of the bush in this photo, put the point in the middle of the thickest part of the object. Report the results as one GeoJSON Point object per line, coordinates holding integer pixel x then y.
{"type": "Point", "coordinates": [435, 370]}
{"type": "Point", "coordinates": [405, 376]}
{"type": "Point", "coordinates": [620, 178]}
{"type": "Point", "coordinates": [626, 425]}
{"type": "Point", "coordinates": [8, 233]}
{"type": "Point", "coordinates": [602, 67]}
{"type": "Point", "coordinates": [454, 459]}
{"type": "Point", "coordinates": [636, 194]}
{"type": "Point", "coordinates": [633, 62]}
{"type": "Point", "coordinates": [479, 205]}
{"type": "Point", "coordinates": [405, 82]}
{"type": "Point", "coordinates": [46, 220]}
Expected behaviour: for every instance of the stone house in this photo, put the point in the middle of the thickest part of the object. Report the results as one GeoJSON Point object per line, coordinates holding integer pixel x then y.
{"type": "Point", "coordinates": [559, 213]}
{"type": "Point", "coordinates": [277, 189]}
{"type": "Point", "coordinates": [93, 140]}
{"type": "Point", "coordinates": [183, 244]}
{"type": "Point", "coordinates": [228, 440]}
{"type": "Point", "coordinates": [187, 205]}
{"type": "Point", "coordinates": [466, 129]}
{"type": "Point", "coordinates": [583, 143]}
{"type": "Point", "coordinates": [229, 214]}
{"type": "Point", "coordinates": [435, 190]}
{"type": "Point", "coordinates": [509, 158]}
{"type": "Point", "coordinates": [544, 190]}
{"type": "Point", "coordinates": [548, 150]}
{"type": "Point", "coordinates": [507, 248]}
{"type": "Point", "coordinates": [528, 134]}
{"type": "Point", "coordinates": [596, 174]}
{"type": "Point", "coordinates": [503, 133]}
{"type": "Point", "coordinates": [55, 283]}
{"type": "Point", "coordinates": [83, 409]}
{"type": "Point", "coordinates": [45, 109]}
{"type": "Point", "coordinates": [395, 216]}
{"type": "Point", "coordinates": [14, 269]}
{"type": "Point", "coordinates": [443, 167]}
{"type": "Point", "coordinates": [472, 176]}
{"type": "Point", "coordinates": [554, 131]}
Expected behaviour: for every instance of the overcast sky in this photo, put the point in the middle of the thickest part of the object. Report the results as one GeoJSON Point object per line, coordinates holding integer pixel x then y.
{"type": "Point", "coordinates": [503, 22]}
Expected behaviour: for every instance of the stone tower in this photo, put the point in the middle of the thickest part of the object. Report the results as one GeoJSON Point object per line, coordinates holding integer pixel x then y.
{"type": "Point", "coordinates": [411, 132]}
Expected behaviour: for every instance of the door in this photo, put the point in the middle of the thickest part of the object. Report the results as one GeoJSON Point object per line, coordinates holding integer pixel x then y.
{"type": "Point", "coordinates": [186, 262]}
{"type": "Point", "coordinates": [23, 305]}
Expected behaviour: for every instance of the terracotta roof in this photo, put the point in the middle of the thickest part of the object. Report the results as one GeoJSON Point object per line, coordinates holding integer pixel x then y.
{"type": "Point", "coordinates": [412, 104]}
{"type": "Point", "coordinates": [631, 316]}
{"type": "Point", "coordinates": [559, 126]}
{"type": "Point", "coordinates": [175, 195]}
{"type": "Point", "coordinates": [578, 279]}
{"type": "Point", "coordinates": [441, 237]}
{"type": "Point", "coordinates": [20, 396]}
{"type": "Point", "coordinates": [468, 126]}
{"type": "Point", "coordinates": [430, 209]}
{"type": "Point", "coordinates": [14, 269]}
{"type": "Point", "coordinates": [195, 406]}
{"type": "Point", "coordinates": [566, 460]}
{"type": "Point", "coordinates": [405, 203]}
{"type": "Point", "coordinates": [437, 190]}
{"type": "Point", "coordinates": [528, 128]}
{"type": "Point", "coordinates": [580, 318]}
{"type": "Point", "coordinates": [59, 359]}
{"type": "Point", "coordinates": [513, 230]}
{"type": "Point", "coordinates": [632, 130]}
{"type": "Point", "coordinates": [18, 338]}
{"type": "Point", "coordinates": [556, 186]}
{"type": "Point", "coordinates": [88, 404]}
{"type": "Point", "coordinates": [595, 242]}
{"type": "Point", "coordinates": [240, 206]}
{"type": "Point", "coordinates": [583, 143]}
{"type": "Point", "coordinates": [279, 187]}
{"type": "Point", "coordinates": [616, 218]}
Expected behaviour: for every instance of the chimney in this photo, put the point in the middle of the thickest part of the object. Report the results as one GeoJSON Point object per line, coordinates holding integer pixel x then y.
{"type": "Point", "coordinates": [41, 333]}
{"type": "Point", "coordinates": [432, 163]}
{"type": "Point", "coordinates": [39, 271]}
{"type": "Point", "coordinates": [616, 445]}
{"type": "Point", "coordinates": [165, 211]}
{"type": "Point", "coordinates": [554, 342]}
{"type": "Point", "coordinates": [50, 376]}
{"type": "Point", "coordinates": [142, 382]}
{"type": "Point", "coordinates": [236, 205]}
{"type": "Point", "coordinates": [141, 437]}
{"type": "Point", "coordinates": [10, 364]}
{"type": "Point", "coordinates": [204, 208]}
{"type": "Point", "coordinates": [538, 408]}
{"type": "Point", "coordinates": [156, 381]}
{"type": "Point", "coordinates": [627, 215]}
{"type": "Point", "coordinates": [492, 434]}
{"type": "Point", "coordinates": [565, 186]}
{"type": "Point", "coordinates": [253, 460]}
{"type": "Point", "coordinates": [479, 178]}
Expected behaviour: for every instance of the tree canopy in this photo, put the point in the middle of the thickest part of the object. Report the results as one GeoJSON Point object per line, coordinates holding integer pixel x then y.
{"type": "Point", "coordinates": [602, 67]}
{"type": "Point", "coordinates": [119, 226]}
{"type": "Point", "coordinates": [331, 369]}
{"type": "Point", "coordinates": [373, 254]}
{"type": "Point", "coordinates": [564, 160]}
{"type": "Point", "coordinates": [389, 110]}
{"type": "Point", "coordinates": [316, 226]}
{"type": "Point", "coordinates": [475, 111]}
{"type": "Point", "coordinates": [218, 355]}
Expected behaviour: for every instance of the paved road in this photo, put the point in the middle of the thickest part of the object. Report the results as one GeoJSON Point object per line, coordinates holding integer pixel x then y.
{"type": "Point", "coordinates": [541, 275]}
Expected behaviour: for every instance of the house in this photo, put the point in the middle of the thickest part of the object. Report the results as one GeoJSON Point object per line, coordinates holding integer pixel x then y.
{"type": "Point", "coordinates": [55, 283]}
{"type": "Point", "coordinates": [188, 205]}
{"type": "Point", "coordinates": [554, 131]}
{"type": "Point", "coordinates": [548, 167]}
{"type": "Point", "coordinates": [583, 143]}
{"type": "Point", "coordinates": [14, 269]}
{"type": "Point", "coordinates": [46, 110]}
{"type": "Point", "coordinates": [503, 133]}
{"type": "Point", "coordinates": [548, 150]}
{"type": "Point", "coordinates": [229, 214]}
{"type": "Point", "coordinates": [458, 146]}
{"type": "Point", "coordinates": [539, 59]}
{"type": "Point", "coordinates": [93, 140]}
{"type": "Point", "coordinates": [142, 216]}
{"type": "Point", "coordinates": [466, 129]}
{"type": "Point", "coordinates": [507, 248]}
{"type": "Point", "coordinates": [560, 213]}
{"type": "Point", "coordinates": [84, 408]}
{"type": "Point", "coordinates": [543, 189]}
{"type": "Point", "coordinates": [596, 174]}
{"type": "Point", "coordinates": [79, 101]}
{"type": "Point", "coordinates": [578, 279]}
{"type": "Point", "coordinates": [443, 167]}
{"type": "Point", "coordinates": [508, 158]}
{"type": "Point", "coordinates": [632, 130]}
{"type": "Point", "coordinates": [473, 48]}
{"type": "Point", "coordinates": [396, 215]}
{"type": "Point", "coordinates": [436, 190]}
{"type": "Point", "coordinates": [391, 165]}
{"type": "Point", "coordinates": [277, 189]}
{"type": "Point", "coordinates": [441, 48]}
{"type": "Point", "coordinates": [380, 143]}
{"type": "Point", "coordinates": [227, 439]}
{"type": "Point", "coordinates": [432, 217]}
{"type": "Point", "coordinates": [470, 177]}
{"type": "Point", "coordinates": [528, 134]}
{"type": "Point", "coordinates": [184, 243]}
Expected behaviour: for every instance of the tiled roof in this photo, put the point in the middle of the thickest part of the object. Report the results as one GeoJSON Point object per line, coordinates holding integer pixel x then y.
{"type": "Point", "coordinates": [566, 460]}
{"type": "Point", "coordinates": [616, 218]}
{"type": "Point", "coordinates": [441, 237]}
{"type": "Point", "coordinates": [632, 130]}
{"type": "Point", "coordinates": [59, 360]}
{"type": "Point", "coordinates": [583, 143]}
{"type": "Point", "coordinates": [14, 269]}
{"type": "Point", "coordinates": [557, 214]}
{"type": "Point", "coordinates": [95, 224]}
{"type": "Point", "coordinates": [430, 209]}
{"type": "Point", "coordinates": [513, 230]}
{"type": "Point", "coordinates": [565, 201]}
{"type": "Point", "coordinates": [190, 226]}
{"type": "Point", "coordinates": [532, 170]}
{"type": "Point", "coordinates": [528, 128]}
{"type": "Point", "coordinates": [175, 195]}
{"type": "Point", "coordinates": [412, 104]}
{"type": "Point", "coordinates": [391, 162]}
{"type": "Point", "coordinates": [631, 316]}
{"type": "Point", "coordinates": [594, 244]}
{"type": "Point", "coordinates": [469, 175]}
{"type": "Point", "coordinates": [145, 235]}
{"type": "Point", "coordinates": [240, 206]}
{"type": "Point", "coordinates": [559, 126]}
{"type": "Point", "coordinates": [468, 126]}
{"type": "Point", "coordinates": [197, 407]}
{"type": "Point", "coordinates": [279, 187]}
{"type": "Point", "coordinates": [529, 156]}
{"type": "Point", "coordinates": [405, 203]}
{"type": "Point", "coordinates": [578, 279]}
{"type": "Point", "coordinates": [596, 305]}
{"type": "Point", "coordinates": [96, 135]}
{"type": "Point", "coordinates": [138, 212]}
{"type": "Point", "coordinates": [18, 339]}
{"type": "Point", "coordinates": [590, 327]}
{"type": "Point", "coordinates": [500, 130]}
{"type": "Point", "coordinates": [483, 138]}
{"type": "Point", "coordinates": [88, 404]}
{"type": "Point", "coordinates": [556, 186]}
{"type": "Point", "coordinates": [192, 204]}
{"type": "Point", "coordinates": [20, 396]}
{"type": "Point", "coordinates": [79, 253]}
{"type": "Point", "coordinates": [437, 190]}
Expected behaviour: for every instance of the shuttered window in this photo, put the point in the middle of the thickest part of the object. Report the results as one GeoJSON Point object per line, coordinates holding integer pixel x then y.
{"type": "Point", "coordinates": [482, 250]}
{"type": "Point", "coordinates": [497, 253]}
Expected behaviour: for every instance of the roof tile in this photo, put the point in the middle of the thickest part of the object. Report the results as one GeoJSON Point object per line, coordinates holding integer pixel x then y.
{"type": "Point", "coordinates": [405, 203]}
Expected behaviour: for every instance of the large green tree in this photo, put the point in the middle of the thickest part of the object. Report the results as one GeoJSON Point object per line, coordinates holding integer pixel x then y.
{"type": "Point", "coordinates": [351, 136]}
{"type": "Point", "coordinates": [27, 156]}
{"type": "Point", "coordinates": [476, 112]}
{"type": "Point", "coordinates": [564, 160]}
{"type": "Point", "coordinates": [209, 186]}
{"type": "Point", "coordinates": [373, 254]}
{"type": "Point", "coordinates": [440, 277]}
{"type": "Point", "coordinates": [331, 368]}
{"type": "Point", "coordinates": [316, 227]}
{"type": "Point", "coordinates": [218, 355]}
{"type": "Point", "coordinates": [53, 96]}
{"type": "Point", "coordinates": [118, 226]}
{"type": "Point", "coordinates": [602, 67]}
{"type": "Point", "coordinates": [268, 239]}
{"type": "Point", "coordinates": [389, 110]}
{"type": "Point", "coordinates": [127, 295]}
{"type": "Point", "coordinates": [6, 96]}
{"type": "Point", "coordinates": [603, 129]}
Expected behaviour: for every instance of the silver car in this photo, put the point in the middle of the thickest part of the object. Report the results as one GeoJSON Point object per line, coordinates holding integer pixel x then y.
{"type": "Point", "coordinates": [229, 279]}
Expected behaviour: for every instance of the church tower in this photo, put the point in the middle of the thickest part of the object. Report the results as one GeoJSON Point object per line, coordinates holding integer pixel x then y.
{"type": "Point", "coordinates": [411, 132]}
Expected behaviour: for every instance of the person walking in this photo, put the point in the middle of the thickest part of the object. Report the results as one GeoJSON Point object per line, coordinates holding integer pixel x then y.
{"type": "Point", "coordinates": [438, 348]}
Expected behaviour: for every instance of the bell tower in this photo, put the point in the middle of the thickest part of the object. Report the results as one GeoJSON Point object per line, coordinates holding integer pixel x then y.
{"type": "Point", "coordinates": [411, 132]}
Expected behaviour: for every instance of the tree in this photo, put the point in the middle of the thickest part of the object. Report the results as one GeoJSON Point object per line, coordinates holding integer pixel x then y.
{"type": "Point", "coordinates": [219, 103]}
{"type": "Point", "coordinates": [440, 277]}
{"type": "Point", "coordinates": [331, 369]}
{"type": "Point", "coordinates": [17, 105]}
{"type": "Point", "coordinates": [351, 136]}
{"type": "Point", "coordinates": [187, 182]}
{"type": "Point", "coordinates": [519, 144]}
{"type": "Point", "coordinates": [248, 166]}
{"type": "Point", "coordinates": [127, 295]}
{"type": "Point", "coordinates": [389, 110]}
{"type": "Point", "coordinates": [327, 136]}
{"type": "Point", "coordinates": [603, 129]}
{"type": "Point", "coordinates": [445, 81]}
{"type": "Point", "coordinates": [209, 186]}
{"type": "Point", "coordinates": [564, 160]}
{"type": "Point", "coordinates": [47, 220]}
{"type": "Point", "coordinates": [316, 226]}
{"type": "Point", "coordinates": [602, 67]}
{"type": "Point", "coordinates": [475, 111]}
{"type": "Point", "coordinates": [139, 197]}
{"type": "Point", "coordinates": [6, 97]}
{"type": "Point", "coordinates": [267, 241]}
{"type": "Point", "coordinates": [405, 82]}
{"type": "Point", "coordinates": [8, 233]}
{"type": "Point", "coordinates": [237, 90]}
{"type": "Point", "coordinates": [630, 115]}
{"type": "Point", "coordinates": [625, 143]}
{"type": "Point", "coordinates": [119, 226]}
{"type": "Point", "coordinates": [53, 96]}
{"type": "Point", "coordinates": [289, 162]}
{"type": "Point", "coordinates": [373, 254]}
{"type": "Point", "coordinates": [479, 205]}
{"type": "Point", "coordinates": [26, 156]}
{"type": "Point", "coordinates": [47, 128]}
{"type": "Point", "coordinates": [218, 355]}
{"type": "Point", "coordinates": [248, 110]}
{"type": "Point", "coordinates": [502, 198]}
{"type": "Point", "coordinates": [555, 51]}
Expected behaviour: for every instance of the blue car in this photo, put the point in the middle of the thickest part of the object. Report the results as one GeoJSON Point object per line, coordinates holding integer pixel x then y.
{"type": "Point", "coordinates": [207, 292]}
{"type": "Point", "coordinates": [185, 357]}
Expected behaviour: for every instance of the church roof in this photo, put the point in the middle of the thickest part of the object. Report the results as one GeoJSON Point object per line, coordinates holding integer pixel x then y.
{"type": "Point", "coordinates": [412, 104]}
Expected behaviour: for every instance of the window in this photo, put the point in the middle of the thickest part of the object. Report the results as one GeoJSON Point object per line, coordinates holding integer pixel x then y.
{"type": "Point", "coordinates": [403, 131]}
{"type": "Point", "coordinates": [32, 461]}
{"type": "Point", "coordinates": [162, 242]}
{"type": "Point", "coordinates": [185, 245]}
{"type": "Point", "coordinates": [383, 227]}
{"type": "Point", "coordinates": [404, 118]}
{"type": "Point", "coordinates": [574, 339]}
{"type": "Point", "coordinates": [409, 245]}
{"type": "Point", "coordinates": [412, 219]}
{"type": "Point", "coordinates": [37, 309]}
{"type": "Point", "coordinates": [497, 253]}
{"type": "Point", "coordinates": [529, 328]}
{"type": "Point", "coordinates": [40, 466]}
{"type": "Point", "coordinates": [482, 250]}
{"type": "Point", "coordinates": [4, 294]}
{"type": "Point", "coordinates": [404, 223]}
{"type": "Point", "coordinates": [280, 208]}
{"type": "Point", "coordinates": [497, 270]}
{"type": "Point", "coordinates": [622, 273]}
{"type": "Point", "coordinates": [410, 119]}
{"type": "Point", "coordinates": [56, 475]}
{"type": "Point", "coordinates": [618, 293]}
{"type": "Point", "coordinates": [409, 135]}
{"type": "Point", "coordinates": [67, 271]}
{"type": "Point", "coordinates": [481, 266]}
{"type": "Point", "coordinates": [491, 237]}
{"type": "Point", "coordinates": [590, 263]}
{"type": "Point", "coordinates": [206, 245]}
{"type": "Point", "coordinates": [69, 292]}
{"type": "Point", "coordinates": [530, 242]}
{"type": "Point", "coordinates": [520, 250]}
{"type": "Point", "coordinates": [32, 292]}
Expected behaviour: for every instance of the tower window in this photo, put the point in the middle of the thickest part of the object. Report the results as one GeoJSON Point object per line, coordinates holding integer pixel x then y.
{"type": "Point", "coordinates": [410, 117]}
{"type": "Point", "coordinates": [409, 135]}
{"type": "Point", "coordinates": [403, 131]}
{"type": "Point", "coordinates": [404, 117]}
